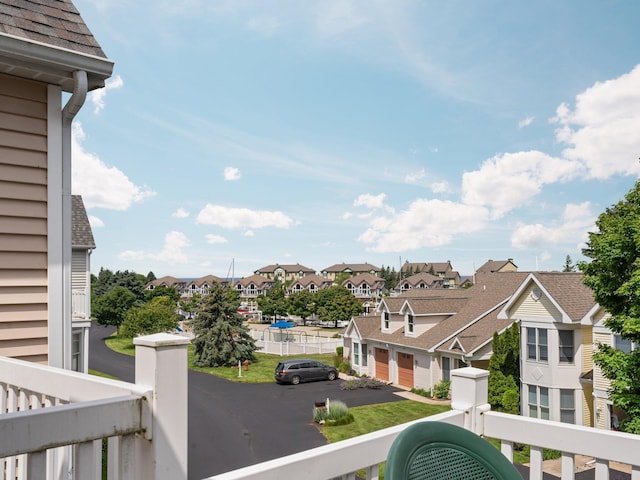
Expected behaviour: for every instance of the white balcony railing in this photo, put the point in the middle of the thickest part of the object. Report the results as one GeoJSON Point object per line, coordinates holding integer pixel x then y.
{"type": "Point", "coordinates": [146, 427]}
{"type": "Point", "coordinates": [53, 421]}
{"type": "Point", "coordinates": [80, 304]}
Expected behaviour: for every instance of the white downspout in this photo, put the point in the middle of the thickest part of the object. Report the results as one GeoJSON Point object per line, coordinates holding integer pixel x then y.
{"type": "Point", "coordinates": [70, 110]}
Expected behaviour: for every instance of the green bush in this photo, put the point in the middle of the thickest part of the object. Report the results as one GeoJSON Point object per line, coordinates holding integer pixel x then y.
{"type": "Point", "coordinates": [340, 351]}
{"type": "Point", "coordinates": [441, 389]}
{"type": "Point", "coordinates": [422, 392]}
{"type": "Point", "coordinates": [344, 366]}
{"type": "Point", "coordinates": [363, 382]}
{"type": "Point", "coordinates": [335, 413]}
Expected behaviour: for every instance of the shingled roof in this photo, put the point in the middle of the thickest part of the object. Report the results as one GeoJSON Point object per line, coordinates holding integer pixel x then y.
{"type": "Point", "coordinates": [81, 234]}
{"type": "Point", "coordinates": [48, 40]}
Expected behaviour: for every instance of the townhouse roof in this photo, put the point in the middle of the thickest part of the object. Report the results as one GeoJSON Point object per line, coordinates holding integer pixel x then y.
{"type": "Point", "coordinates": [166, 280]}
{"type": "Point", "coordinates": [48, 40]}
{"type": "Point", "coordinates": [292, 268]}
{"type": "Point", "coordinates": [367, 325]}
{"type": "Point", "coordinates": [421, 277]}
{"type": "Point", "coordinates": [568, 290]}
{"type": "Point", "coordinates": [258, 280]}
{"type": "Point", "coordinates": [466, 306]}
{"type": "Point", "coordinates": [353, 267]}
{"type": "Point", "coordinates": [81, 233]}
{"type": "Point", "coordinates": [365, 278]}
{"type": "Point", "coordinates": [495, 266]}
{"type": "Point", "coordinates": [307, 280]}
{"type": "Point", "coordinates": [426, 267]}
{"type": "Point", "coordinates": [207, 279]}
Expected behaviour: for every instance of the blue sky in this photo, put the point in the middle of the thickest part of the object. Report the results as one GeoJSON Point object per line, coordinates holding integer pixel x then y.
{"type": "Point", "coordinates": [322, 132]}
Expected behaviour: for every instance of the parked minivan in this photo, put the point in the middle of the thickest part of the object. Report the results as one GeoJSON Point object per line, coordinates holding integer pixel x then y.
{"type": "Point", "coordinates": [304, 370]}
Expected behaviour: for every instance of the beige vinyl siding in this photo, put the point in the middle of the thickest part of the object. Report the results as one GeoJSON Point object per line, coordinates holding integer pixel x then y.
{"type": "Point", "coordinates": [587, 405]}
{"type": "Point", "coordinates": [587, 349]}
{"type": "Point", "coordinates": [528, 307]}
{"type": "Point", "coordinates": [23, 219]}
{"type": "Point", "coordinates": [79, 269]}
{"type": "Point", "coordinates": [600, 382]}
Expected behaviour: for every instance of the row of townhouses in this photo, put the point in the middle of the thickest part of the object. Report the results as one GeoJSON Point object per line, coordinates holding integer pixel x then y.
{"type": "Point", "coordinates": [418, 337]}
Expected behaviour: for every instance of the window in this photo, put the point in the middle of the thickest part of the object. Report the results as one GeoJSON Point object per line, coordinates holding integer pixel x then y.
{"type": "Point", "coordinates": [567, 406]}
{"type": "Point", "coordinates": [76, 358]}
{"type": "Point", "coordinates": [446, 369]}
{"type": "Point", "coordinates": [386, 320]}
{"type": "Point", "coordinates": [566, 346]}
{"type": "Point", "coordinates": [537, 347]}
{"type": "Point", "coordinates": [539, 402]}
{"type": "Point", "coordinates": [410, 323]}
{"type": "Point", "coordinates": [356, 354]}
{"type": "Point", "coordinates": [363, 348]}
{"type": "Point", "coordinates": [622, 344]}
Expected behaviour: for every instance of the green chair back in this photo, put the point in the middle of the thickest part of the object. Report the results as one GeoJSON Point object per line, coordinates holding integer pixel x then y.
{"type": "Point", "coordinates": [440, 451]}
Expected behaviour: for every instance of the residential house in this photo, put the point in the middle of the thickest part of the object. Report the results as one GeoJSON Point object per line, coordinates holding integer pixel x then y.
{"type": "Point", "coordinates": [498, 266]}
{"type": "Point", "coordinates": [285, 273]}
{"type": "Point", "coordinates": [202, 285]}
{"type": "Point", "coordinates": [349, 269]}
{"type": "Point", "coordinates": [168, 281]}
{"type": "Point", "coordinates": [367, 288]}
{"type": "Point", "coordinates": [444, 270]}
{"type": "Point", "coordinates": [250, 288]}
{"type": "Point", "coordinates": [312, 283]}
{"type": "Point", "coordinates": [45, 54]}
{"type": "Point", "coordinates": [557, 313]}
{"type": "Point", "coordinates": [418, 337]}
{"type": "Point", "coordinates": [420, 280]}
{"type": "Point", "coordinates": [82, 244]}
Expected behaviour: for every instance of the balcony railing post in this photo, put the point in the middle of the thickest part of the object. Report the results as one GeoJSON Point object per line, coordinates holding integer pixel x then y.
{"type": "Point", "coordinates": [161, 365]}
{"type": "Point", "coordinates": [469, 393]}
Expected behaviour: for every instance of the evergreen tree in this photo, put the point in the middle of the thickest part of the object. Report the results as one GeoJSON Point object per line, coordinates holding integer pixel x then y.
{"type": "Point", "coordinates": [614, 276]}
{"type": "Point", "coordinates": [568, 265]}
{"type": "Point", "coordinates": [504, 371]}
{"type": "Point", "coordinates": [220, 338]}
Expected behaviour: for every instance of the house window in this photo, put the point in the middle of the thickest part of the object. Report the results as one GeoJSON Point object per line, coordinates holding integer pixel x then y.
{"type": "Point", "coordinates": [76, 364]}
{"type": "Point", "coordinates": [566, 346]}
{"type": "Point", "coordinates": [363, 348]}
{"type": "Point", "coordinates": [410, 323]}
{"type": "Point", "coordinates": [538, 402]}
{"type": "Point", "coordinates": [446, 369]}
{"type": "Point", "coordinates": [386, 320]}
{"type": "Point", "coordinates": [537, 346]}
{"type": "Point", "coordinates": [567, 406]}
{"type": "Point", "coordinates": [623, 344]}
{"type": "Point", "coordinates": [356, 354]}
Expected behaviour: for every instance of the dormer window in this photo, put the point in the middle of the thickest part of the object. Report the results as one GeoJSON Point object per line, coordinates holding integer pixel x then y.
{"type": "Point", "coordinates": [385, 322]}
{"type": "Point", "coordinates": [410, 324]}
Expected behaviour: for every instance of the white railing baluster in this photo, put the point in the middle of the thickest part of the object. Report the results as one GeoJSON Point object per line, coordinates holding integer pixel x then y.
{"type": "Point", "coordinates": [568, 466]}
{"type": "Point", "coordinates": [602, 469]}
{"type": "Point", "coordinates": [372, 472]}
{"type": "Point", "coordinates": [635, 472]}
{"type": "Point", "coordinates": [535, 463]}
{"type": "Point", "coordinates": [507, 449]}
{"type": "Point", "coordinates": [36, 465]}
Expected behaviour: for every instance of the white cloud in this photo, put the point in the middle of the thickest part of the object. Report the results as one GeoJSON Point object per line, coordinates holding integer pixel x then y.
{"type": "Point", "coordinates": [211, 238]}
{"type": "Point", "coordinates": [346, 215]}
{"type": "Point", "coordinates": [249, 233]}
{"type": "Point", "coordinates": [180, 213]}
{"type": "Point", "coordinates": [602, 130]}
{"type": "Point", "coordinates": [426, 223]}
{"type": "Point", "coordinates": [510, 180]}
{"type": "Point", "coordinates": [415, 177]}
{"type": "Point", "coordinates": [230, 217]}
{"type": "Point", "coordinates": [100, 185]}
{"type": "Point", "coordinates": [95, 222]}
{"type": "Point", "coordinates": [370, 201]}
{"type": "Point", "coordinates": [172, 250]}
{"type": "Point", "coordinates": [264, 24]}
{"type": "Point", "coordinates": [336, 17]}
{"type": "Point", "coordinates": [525, 122]}
{"type": "Point", "coordinates": [577, 220]}
{"type": "Point", "coordinates": [231, 174]}
{"type": "Point", "coordinates": [97, 96]}
{"type": "Point", "coordinates": [440, 187]}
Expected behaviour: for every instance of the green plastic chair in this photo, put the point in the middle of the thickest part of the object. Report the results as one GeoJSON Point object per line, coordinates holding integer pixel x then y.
{"type": "Point", "coordinates": [440, 451]}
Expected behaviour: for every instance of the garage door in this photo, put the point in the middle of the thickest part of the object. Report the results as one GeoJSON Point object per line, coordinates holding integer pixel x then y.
{"type": "Point", "coordinates": [405, 370]}
{"type": "Point", "coordinates": [382, 364]}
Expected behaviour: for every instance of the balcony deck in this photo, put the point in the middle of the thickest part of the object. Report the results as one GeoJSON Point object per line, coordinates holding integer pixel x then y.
{"type": "Point", "coordinates": [53, 424]}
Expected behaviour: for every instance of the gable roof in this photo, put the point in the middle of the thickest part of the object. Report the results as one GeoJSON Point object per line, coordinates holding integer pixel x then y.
{"type": "Point", "coordinates": [353, 267]}
{"type": "Point", "coordinates": [317, 280]}
{"type": "Point", "coordinates": [207, 279]}
{"type": "Point", "coordinates": [167, 280]}
{"type": "Point", "coordinates": [365, 278]}
{"type": "Point", "coordinates": [48, 40]}
{"type": "Point", "coordinates": [81, 233]}
{"type": "Point", "coordinates": [416, 267]}
{"type": "Point", "coordinates": [495, 266]}
{"type": "Point", "coordinates": [420, 277]}
{"type": "Point", "coordinates": [293, 268]}
{"type": "Point", "coordinates": [258, 280]}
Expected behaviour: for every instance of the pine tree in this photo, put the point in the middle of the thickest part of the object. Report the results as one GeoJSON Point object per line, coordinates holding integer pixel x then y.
{"type": "Point", "coordinates": [220, 338]}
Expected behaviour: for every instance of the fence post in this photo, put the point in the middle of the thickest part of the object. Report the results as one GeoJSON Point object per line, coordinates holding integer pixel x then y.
{"type": "Point", "coordinates": [161, 366]}
{"type": "Point", "coordinates": [469, 393]}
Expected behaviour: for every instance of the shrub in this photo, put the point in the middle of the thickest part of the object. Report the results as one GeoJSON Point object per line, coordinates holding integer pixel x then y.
{"type": "Point", "coordinates": [421, 391]}
{"type": "Point", "coordinates": [335, 413]}
{"type": "Point", "coordinates": [344, 366]}
{"type": "Point", "coordinates": [441, 389]}
{"type": "Point", "coordinates": [340, 351]}
{"type": "Point", "coordinates": [361, 383]}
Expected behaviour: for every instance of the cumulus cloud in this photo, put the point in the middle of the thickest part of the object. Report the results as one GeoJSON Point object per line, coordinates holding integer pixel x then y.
{"type": "Point", "coordinates": [97, 96]}
{"type": "Point", "coordinates": [249, 233]}
{"type": "Point", "coordinates": [95, 222]}
{"type": "Point", "coordinates": [211, 238]}
{"type": "Point", "coordinates": [510, 180]}
{"type": "Point", "coordinates": [602, 130]}
{"type": "Point", "coordinates": [525, 122]}
{"type": "Point", "coordinates": [231, 217]}
{"type": "Point", "coordinates": [370, 201]}
{"type": "Point", "coordinates": [99, 184]}
{"type": "Point", "coordinates": [231, 174]}
{"type": "Point", "coordinates": [180, 213]}
{"type": "Point", "coordinates": [415, 177]}
{"type": "Point", "coordinates": [440, 187]}
{"type": "Point", "coordinates": [576, 221]}
{"type": "Point", "coordinates": [172, 251]}
{"type": "Point", "coordinates": [426, 223]}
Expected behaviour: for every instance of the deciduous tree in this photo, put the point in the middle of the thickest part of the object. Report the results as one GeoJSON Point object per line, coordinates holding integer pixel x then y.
{"type": "Point", "coordinates": [157, 315]}
{"type": "Point", "coordinates": [336, 303]}
{"type": "Point", "coordinates": [110, 308]}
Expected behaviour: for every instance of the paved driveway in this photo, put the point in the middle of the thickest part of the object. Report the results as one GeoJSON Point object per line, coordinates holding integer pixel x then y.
{"type": "Point", "coordinates": [232, 425]}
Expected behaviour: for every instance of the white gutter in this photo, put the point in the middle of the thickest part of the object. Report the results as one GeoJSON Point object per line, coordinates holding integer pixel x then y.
{"type": "Point", "coordinates": [70, 110]}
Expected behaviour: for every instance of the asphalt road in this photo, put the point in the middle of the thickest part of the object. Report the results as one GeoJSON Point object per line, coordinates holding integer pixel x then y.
{"type": "Point", "coordinates": [232, 425]}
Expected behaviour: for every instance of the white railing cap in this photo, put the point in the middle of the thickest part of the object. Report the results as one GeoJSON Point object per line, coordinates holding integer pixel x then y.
{"type": "Point", "coordinates": [469, 372]}
{"type": "Point", "coordinates": [161, 340]}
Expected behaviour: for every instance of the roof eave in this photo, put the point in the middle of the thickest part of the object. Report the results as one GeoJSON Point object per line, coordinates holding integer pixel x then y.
{"type": "Point", "coordinates": [39, 61]}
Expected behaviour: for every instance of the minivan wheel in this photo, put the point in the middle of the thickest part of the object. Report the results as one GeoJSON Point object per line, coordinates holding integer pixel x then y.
{"type": "Point", "coordinates": [331, 376]}
{"type": "Point", "coordinates": [295, 380]}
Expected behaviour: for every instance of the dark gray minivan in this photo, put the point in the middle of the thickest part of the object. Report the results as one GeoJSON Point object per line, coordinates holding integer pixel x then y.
{"type": "Point", "coordinates": [304, 370]}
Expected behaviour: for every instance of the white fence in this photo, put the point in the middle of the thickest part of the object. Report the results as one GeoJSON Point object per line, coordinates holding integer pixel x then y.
{"type": "Point", "coordinates": [287, 342]}
{"type": "Point", "coordinates": [53, 421]}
